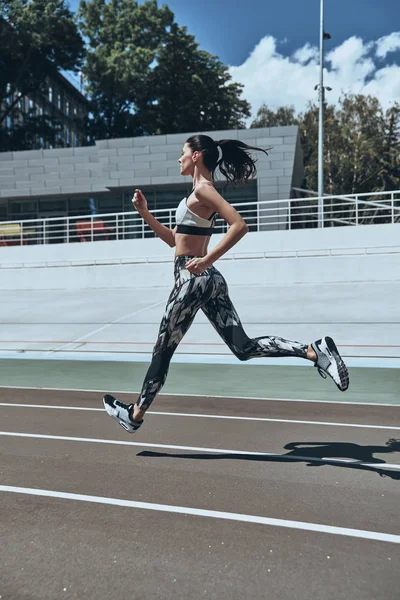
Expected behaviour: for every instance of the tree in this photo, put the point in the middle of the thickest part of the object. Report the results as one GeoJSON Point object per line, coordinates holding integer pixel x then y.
{"type": "Point", "coordinates": [36, 37]}
{"type": "Point", "coordinates": [284, 115]}
{"type": "Point", "coordinates": [145, 74]}
{"type": "Point", "coordinates": [189, 90]}
{"type": "Point", "coordinates": [391, 152]}
{"type": "Point", "coordinates": [123, 39]}
{"type": "Point", "coordinates": [361, 144]}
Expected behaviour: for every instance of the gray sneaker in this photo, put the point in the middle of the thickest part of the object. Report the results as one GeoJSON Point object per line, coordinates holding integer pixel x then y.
{"type": "Point", "coordinates": [329, 362]}
{"type": "Point", "coordinates": [121, 413]}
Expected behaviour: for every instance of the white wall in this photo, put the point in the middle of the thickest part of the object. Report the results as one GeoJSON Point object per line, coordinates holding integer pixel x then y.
{"type": "Point", "coordinates": [340, 254]}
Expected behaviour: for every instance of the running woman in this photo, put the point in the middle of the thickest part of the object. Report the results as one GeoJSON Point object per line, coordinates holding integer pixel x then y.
{"type": "Point", "coordinates": [199, 285]}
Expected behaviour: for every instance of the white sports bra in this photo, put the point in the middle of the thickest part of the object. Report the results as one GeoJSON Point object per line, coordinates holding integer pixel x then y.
{"type": "Point", "coordinates": [190, 223]}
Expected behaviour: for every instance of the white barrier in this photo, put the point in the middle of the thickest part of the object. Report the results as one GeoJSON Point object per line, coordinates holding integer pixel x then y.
{"type": "Point", "coordinates": [295, 213]}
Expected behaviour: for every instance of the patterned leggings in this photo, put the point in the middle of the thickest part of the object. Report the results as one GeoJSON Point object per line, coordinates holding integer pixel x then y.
{"type": "Point", "coordinates": [209, 292]}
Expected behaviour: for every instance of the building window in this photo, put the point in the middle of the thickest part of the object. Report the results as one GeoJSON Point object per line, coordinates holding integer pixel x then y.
{"type": "Point", "coordinates": [68, 136]}
{"type": "Point", "coordinates": [50, 205]}
{"type": "Point", "coordinates": [41, 142]}
{"type": "Point", "coordinates": [75, 111]}
{"type": "Point", "coordinates": [67, 108]}
{"type": "Point", "coordinates": [23, 208]}
{"type": "Point", "coordinates": [50, 94]}
{"type": "Point", "coordinates": [59, 102]}
{"type": "Point", "coordinates": [8, 122]}
{"type": "Point", "coordinates": [31, 104]}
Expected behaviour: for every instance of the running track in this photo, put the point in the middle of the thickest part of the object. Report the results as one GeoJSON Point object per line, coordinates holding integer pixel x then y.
{"type": "Point", "coordinates": [193, 507]}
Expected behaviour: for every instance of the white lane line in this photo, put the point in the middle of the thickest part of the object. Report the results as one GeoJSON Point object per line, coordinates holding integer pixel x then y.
{"type": "Point", "coordinates": [51, 406]}
{"type": "Point", "coordinates": [213, 514]}
{"type": "Point", "coordinates": [84, 337]}
{"type": "Point", "coordinates": [289, 457]}
{"type": "Point", "coordinates": [86, 390]}
{"type": "Point", "coordinates": [199, 416]}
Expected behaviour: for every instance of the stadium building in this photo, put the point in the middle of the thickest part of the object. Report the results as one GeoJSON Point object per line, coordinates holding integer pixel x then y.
{"type": "Point", "coordinates": [100, 179]}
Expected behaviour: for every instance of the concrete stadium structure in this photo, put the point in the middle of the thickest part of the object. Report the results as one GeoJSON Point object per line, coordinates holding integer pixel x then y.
{"type": "Point", "coordinates": [299, 282]}
{"type": "Point", "coordinates": [106, 298]}
{"type": "Point", "coordinates": [51, 183]}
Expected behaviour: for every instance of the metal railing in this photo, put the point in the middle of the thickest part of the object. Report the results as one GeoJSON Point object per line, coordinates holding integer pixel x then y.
{"type": "Point", "coordinates": [295, 213]}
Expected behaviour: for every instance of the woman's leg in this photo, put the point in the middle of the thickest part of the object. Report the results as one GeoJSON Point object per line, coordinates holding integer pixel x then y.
{"type": "Point", "coordinates": [188, 295]}
{"type": "Point", "coordinates": [181, 309]}
{"type": "Point", "coordinates": [224, 318]}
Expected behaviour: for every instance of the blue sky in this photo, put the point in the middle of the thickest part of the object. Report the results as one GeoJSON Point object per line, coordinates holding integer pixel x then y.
{"type": "Point", "coordinates": [272, 46]}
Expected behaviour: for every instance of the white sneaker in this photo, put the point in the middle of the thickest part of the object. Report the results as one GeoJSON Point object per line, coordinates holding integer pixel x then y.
{"type": "Point", "coordinates": [329, 362]}
{"type": "Point", "coordinates": [121, 413]}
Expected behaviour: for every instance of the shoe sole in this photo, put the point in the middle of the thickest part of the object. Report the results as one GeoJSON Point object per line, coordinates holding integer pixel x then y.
{"type": "Point", "coordinates": [333, 349]}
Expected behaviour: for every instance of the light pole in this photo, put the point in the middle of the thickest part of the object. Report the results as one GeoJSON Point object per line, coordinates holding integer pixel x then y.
{"type": "Point", "coordinates": [322, 36]}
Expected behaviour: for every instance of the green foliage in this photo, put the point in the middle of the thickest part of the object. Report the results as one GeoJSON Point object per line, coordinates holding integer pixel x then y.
{"type": "Point", "coordinates": [285, 115]}
{"type": "Point", "coordinates": [145, 74]}
{"type": "Point", "coordinates": [189, 90]}
{"type": "Point", "coordinates": [123, 39]}
{"type": "Point", "coordinates": [361, 143]}
{"type": "Point", "coordinates": [36, 36]}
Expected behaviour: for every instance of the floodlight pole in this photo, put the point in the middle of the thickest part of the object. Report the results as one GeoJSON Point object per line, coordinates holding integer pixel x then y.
{"type": "Point", "coordinates": [321, 121]}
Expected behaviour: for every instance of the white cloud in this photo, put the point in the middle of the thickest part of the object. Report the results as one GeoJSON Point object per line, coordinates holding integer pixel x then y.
{"type": "Point", "coordinates": [354, 66]}
{"type": "Point", "coordinates": [388, 43]}
{"type": "Point", "coordinates": [308, 52]}
{"type": "Point", "coordinates": [350, 64]}
{"type": "Point", "coordinates": [387, 81]}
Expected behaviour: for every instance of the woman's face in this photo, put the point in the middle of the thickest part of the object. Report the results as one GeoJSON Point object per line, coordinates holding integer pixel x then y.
{"type": "Point", "coordinates": [187, 160]}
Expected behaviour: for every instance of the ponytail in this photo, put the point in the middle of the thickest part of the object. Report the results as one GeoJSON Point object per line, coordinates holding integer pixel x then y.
{"type": "Point", "coordinates": [236, 164]}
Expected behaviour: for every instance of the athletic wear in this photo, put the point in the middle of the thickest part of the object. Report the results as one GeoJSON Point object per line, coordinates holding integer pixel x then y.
{"type": "Point", "coordinates": [191, 224]}
{"type": "Point", "coordinates": [207, 291]}
{"type": "Point", "coordinates": [121, 412]}
{"type": "Point", "coordinates": [329, 362]}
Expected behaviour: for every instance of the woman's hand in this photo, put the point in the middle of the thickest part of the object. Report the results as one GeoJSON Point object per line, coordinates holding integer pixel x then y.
{"type": "Point", "coordinates": [139, 201]}
{"type": "Point", "coordinates": [197, 265]}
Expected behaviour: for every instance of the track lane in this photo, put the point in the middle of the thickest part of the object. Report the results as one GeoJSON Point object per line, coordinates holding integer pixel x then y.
{"type": "Point", "coordinates": [70, 550]}
{"type": "Point", "coordinates": [83, 548]}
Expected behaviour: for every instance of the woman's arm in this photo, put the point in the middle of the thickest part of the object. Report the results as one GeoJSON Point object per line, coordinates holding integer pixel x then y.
{"type": "Point", "coordinates": [164, 233]}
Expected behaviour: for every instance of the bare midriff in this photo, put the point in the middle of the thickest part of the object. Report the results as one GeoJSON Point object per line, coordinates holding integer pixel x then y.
{"type": "Point", "coordinates": [191, 245]}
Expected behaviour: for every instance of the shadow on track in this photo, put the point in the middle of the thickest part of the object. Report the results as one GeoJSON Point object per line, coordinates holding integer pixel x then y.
{"type": "Point", "coordinates": [315, 454]}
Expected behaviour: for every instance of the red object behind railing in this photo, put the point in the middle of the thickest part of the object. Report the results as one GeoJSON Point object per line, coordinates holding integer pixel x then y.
{"type": "Point", "coordinates": [92, 230]}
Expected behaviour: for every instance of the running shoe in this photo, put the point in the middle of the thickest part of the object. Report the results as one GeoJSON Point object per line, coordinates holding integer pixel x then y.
{"type": "Point", "coordinates": [329, 362]}
{"type": "Point", "coordinates": [121, 413]}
